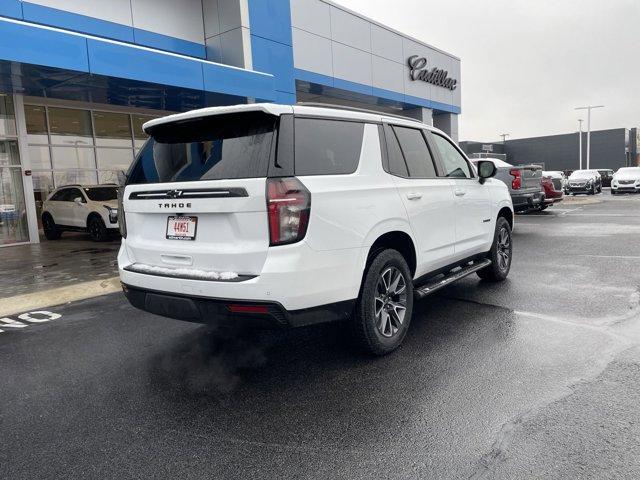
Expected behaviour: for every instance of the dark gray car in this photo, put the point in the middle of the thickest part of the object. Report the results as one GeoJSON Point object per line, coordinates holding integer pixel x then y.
{"type": "Point", "coordinates": [523, 181]}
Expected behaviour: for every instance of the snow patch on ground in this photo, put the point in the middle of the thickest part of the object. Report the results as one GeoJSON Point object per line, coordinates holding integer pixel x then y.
{"type": "Point", "coordinates": [191, 273]}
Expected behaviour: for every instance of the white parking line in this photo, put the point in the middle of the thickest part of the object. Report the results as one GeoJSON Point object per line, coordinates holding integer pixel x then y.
{"type": "Point", "coordinates": [624, 257]}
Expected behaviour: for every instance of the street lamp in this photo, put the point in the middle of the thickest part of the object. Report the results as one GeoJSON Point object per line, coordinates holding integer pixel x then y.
{"type": "Point", "coordinates": [504, 137]}
{"type": "Point", "coordinates": [580, 140]}
{"type": "Point", "coordinates": [588, 109]}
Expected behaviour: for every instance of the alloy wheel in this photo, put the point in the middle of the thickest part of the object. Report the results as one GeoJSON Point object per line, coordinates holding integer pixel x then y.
{"type": "Point", "coordinates": [504, 248]}
{"type": "Point", "coordinates": [390, 302]}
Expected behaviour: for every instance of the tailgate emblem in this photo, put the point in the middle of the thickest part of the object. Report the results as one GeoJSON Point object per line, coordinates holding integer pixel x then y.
{"type": "Point", "coordinates": [174, 193]}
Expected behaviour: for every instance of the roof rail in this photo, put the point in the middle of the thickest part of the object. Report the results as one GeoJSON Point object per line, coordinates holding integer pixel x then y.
{"type": "Point", "coordinates": [355, 109]}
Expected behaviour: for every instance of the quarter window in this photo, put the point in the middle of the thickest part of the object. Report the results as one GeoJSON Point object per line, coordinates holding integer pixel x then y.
{"type": "Point", "coordinates": [416, 153]}
{"type": "Point", "coordinates": [397, 166]}
{"type": "Point", "coordinates": [455, 165]}
{"type": "Point", "coordinates": [327, 147]}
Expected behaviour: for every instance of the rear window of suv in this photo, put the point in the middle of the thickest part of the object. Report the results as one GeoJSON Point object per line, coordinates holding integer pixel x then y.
{"type": "Point", "coordinates": [206, 148]}
{"type": "Point", "coordinates": [327, 147]}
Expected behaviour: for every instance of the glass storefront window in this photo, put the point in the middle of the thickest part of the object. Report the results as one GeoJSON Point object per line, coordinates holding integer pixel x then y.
{"type": "Point", "coordinates": [68, 157]}
{"type": "Point", "coordinates": [138, 134]}
{"type": "Point", "coordinates": [7, 117]}
{"type": "Point", "coordinates": [40, 157]}
{"type": "Point", "coordinates": [112, 129]}
{"type": "Point", "coordinates": [70, 127]}
{"type": "Point", "coordinates": [75, 177]}
{"type": "Point", "coordinates": [13, 211]}
{"type": "Point", "coordinates": [9, 153]}
{"type": "Point", "coordinates": [114, 158]}
{"type": "Point", "coordinates": [36, 118]}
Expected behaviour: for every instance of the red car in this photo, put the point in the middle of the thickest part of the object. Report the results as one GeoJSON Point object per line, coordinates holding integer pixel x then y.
{"type": "Point", "coordinates": [553, 188]}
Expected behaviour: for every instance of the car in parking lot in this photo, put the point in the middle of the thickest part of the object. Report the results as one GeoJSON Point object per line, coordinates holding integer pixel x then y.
{"type": "Point", "coordinates": [294, 215]}
{"type": "Point", "coordinates": [523, 181]}
{"type": "Point", "coordinates": [553, 188]}
{"type": "Point", "coordinates": [606, 175]}
{"type": "Point", "coordinates": [89, 208]}
{"type": "Point", "coordinates": [584, 181]}
{"type": "Point", "coordinates": [626, 180]}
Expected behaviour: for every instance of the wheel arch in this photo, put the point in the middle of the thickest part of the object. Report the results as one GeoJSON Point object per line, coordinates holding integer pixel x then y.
{"type": "Point", "coordinates": [507, 213]}
{"type": "Point", "coordinates": [93, 215]}
{"type": "Point", "coordinates": [398, 240]}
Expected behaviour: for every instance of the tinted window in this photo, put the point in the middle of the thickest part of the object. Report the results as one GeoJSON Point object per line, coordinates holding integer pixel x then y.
{"type": "Point", "coordinates": [453, 162]}
{"type": "Point", "coordinates": [72, 194]}
{"type": "Point", "coordinates": [59, 195]}
{"type": "Point", "coordinates": [101, 194]}
{"type": "Point", "coordinates": [327, 147]}
{"type": "Point", "coordinates": [416, 153]}
{"type": "Point", "coordinates": [397, 166]}
{"type": "Point", "coordinates": [208, 148]}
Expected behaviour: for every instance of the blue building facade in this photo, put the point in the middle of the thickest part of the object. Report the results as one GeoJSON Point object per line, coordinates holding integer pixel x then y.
{"type": "Point", "coordinates": [79, 77]}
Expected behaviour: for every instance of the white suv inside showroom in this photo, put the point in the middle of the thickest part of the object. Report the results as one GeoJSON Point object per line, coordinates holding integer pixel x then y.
{"type": "Point", "coordinates": [294, 215]}
{"type": "Point", "coordinates": [89, 208]}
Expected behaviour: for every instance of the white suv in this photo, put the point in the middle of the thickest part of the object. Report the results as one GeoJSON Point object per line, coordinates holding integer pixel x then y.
{"type": "Point", "coordinates": [294, 215]}
{"type": "Point", "coordinates": [626, 180]}
{"type": "Point", "coordinates": [90, 208]}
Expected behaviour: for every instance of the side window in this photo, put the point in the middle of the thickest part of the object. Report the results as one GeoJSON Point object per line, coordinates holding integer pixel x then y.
{"type": "Point", "coordinates": [416, 153]}
{"type": "Point", "coordinates": [73, 193]}
{"type": "Point", "coordinates": [397, 166]}
{"type": "Point", "coordinates": [59, 195]}
{"type": "Point", "coordinates": [454, 164]}
{"type": "Point", "coordinates": [327, 147]}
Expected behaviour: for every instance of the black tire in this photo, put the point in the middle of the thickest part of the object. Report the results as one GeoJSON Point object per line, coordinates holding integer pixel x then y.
{"type": "Point", "coordinates": [51, 230]}
{"type": "Point", "coordinates": [500, 254]}
{"type": "Point", "coordinates": [613, 192]}
{"type": "Point", "coordinates": [382, 291]}
{"type": "Point", "coordinates": [96, 228]}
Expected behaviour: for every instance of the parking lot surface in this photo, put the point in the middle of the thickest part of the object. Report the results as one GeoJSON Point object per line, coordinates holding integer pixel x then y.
{"type": "Point", "coordinates": [535, 377]}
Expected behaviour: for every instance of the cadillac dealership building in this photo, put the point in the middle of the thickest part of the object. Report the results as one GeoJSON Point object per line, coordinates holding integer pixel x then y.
{"type": "Point", "coordinates": [78, 78]}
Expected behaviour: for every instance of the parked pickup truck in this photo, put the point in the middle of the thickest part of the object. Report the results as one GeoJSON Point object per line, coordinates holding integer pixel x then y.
{"type": "Point", "coordinates": [524, 183]}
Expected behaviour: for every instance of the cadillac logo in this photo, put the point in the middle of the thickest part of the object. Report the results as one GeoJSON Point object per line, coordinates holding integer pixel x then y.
{"type": "Point", "coordinates": [436, 76]}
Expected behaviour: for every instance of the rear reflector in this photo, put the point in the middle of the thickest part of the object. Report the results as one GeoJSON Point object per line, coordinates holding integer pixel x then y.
{"type": "Point", "coordinates": [235, 308]}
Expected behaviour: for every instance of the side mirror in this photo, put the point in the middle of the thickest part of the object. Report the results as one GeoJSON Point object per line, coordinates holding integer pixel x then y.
{"type": "Point", "coordinates": [77, 200]}
{"type": "Point", "coordinates": [122, 178]}
{"type": "Point", "coordinates": [486, 170]}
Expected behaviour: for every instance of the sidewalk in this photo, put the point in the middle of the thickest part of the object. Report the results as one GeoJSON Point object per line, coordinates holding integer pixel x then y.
{"type": "Point", "coordinates": [55, 272]}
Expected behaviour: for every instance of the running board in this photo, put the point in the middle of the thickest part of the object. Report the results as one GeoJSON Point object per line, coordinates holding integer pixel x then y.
{"type": "Point", "coordinates": [435, 285]}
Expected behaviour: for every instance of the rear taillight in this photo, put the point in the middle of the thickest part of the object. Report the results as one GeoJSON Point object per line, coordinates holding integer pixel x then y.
{"type": "Point", "coordinates": [517, 178]}
{"type": "Point", "coordinates": [288, 207]}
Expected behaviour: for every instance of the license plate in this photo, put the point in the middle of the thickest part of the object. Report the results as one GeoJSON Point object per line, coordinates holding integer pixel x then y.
{"type": "Point", "coordinates": [181, 228]}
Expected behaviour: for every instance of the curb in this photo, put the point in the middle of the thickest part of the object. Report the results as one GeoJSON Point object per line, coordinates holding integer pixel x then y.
{"type": "Point", "coordinates": [58, 296]}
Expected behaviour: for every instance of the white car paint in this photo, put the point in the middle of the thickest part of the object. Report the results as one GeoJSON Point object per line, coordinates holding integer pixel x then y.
{"type": "Point", "coordinates": [76, 213]}
{"type": "Point", "coordinates": [630, 178]}
{"type": "Point", "coordinates": [447, 219]}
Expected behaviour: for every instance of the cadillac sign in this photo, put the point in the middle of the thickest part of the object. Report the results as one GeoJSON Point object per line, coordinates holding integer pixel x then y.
{"type": "Point", "coordinates": [418, 71]}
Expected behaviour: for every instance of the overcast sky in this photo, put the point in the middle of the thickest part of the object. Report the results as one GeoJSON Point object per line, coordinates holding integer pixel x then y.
{"type": "Point", "coordinates": [527, 63]}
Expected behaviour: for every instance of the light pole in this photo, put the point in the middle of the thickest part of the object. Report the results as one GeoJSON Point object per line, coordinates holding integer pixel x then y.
{"type": "Point", "coordinates": [504, 137]}
{"type": "Point", "coordinates": [588, 109]}
{"type": "Point", "coordinates": [580, 140]}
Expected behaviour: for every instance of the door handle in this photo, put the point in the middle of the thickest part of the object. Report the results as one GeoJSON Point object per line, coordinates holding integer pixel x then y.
{"type": "Point", "coordinates": [459, 192]}
{"type": "Point", "coordinates": [414, 196]}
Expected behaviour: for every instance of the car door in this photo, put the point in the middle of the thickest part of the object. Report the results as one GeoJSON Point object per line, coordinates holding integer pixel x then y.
{"type": "Point", "coordinates": [61, 207]}
{"type": "Point", "coordinates": [474, 226]}
{"type": "Point", "coordinates": [427, 198]}
{"type": "Point", "coordinates": [77, 211]}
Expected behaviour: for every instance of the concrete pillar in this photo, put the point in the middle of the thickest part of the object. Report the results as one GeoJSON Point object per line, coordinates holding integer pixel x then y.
{"type": "Point", "coordinates": [425, 115]}
{"type": "Point", "coordinates": [448, 123]}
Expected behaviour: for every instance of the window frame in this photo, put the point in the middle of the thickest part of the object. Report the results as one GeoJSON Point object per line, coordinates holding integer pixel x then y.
{"type": "Point", "coordinates": [431, 137]}
{"type": "Point", "coordinates": [387, 128]}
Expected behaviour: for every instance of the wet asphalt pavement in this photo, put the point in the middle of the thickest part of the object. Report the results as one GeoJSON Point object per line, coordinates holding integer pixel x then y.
{"type": "Point", "coordinates": [537, 377]}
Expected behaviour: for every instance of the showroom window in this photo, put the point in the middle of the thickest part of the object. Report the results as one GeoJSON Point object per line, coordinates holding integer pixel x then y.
{"type": "Point", "coordinates": [71, 145]}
